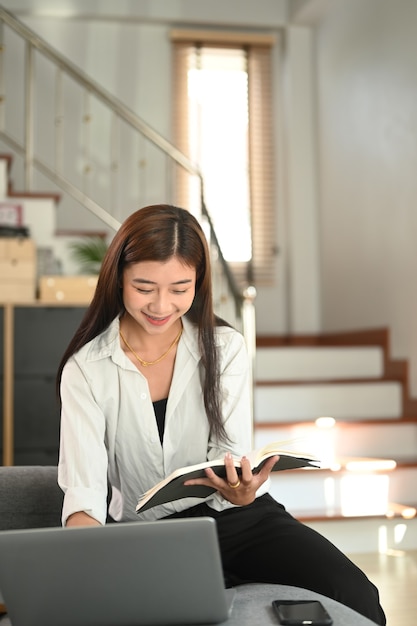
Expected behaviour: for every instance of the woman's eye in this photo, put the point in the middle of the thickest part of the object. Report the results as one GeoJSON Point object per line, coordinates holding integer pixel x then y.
{"type": "Point", "coordinates": [176, 292]}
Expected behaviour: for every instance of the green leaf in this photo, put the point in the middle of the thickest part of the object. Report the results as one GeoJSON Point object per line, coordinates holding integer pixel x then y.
{"type": "Point", "coordinates": [89, 254]}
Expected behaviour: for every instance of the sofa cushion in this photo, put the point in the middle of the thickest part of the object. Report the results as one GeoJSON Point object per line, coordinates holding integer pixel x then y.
{"type": "Point", "coordinates": [29, 497]}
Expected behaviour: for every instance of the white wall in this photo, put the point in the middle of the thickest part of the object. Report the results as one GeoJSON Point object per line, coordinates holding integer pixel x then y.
{"type": "Point", "coordinates": [367, 95]}
{"type": "Point", "coordinates": [215, 13]}
{"type": "Point", "coordinates": [304, 314]}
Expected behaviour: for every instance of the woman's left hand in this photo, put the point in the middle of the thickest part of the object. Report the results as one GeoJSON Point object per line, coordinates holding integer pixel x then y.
{"type": "Point", "coordinates": [240, 490]}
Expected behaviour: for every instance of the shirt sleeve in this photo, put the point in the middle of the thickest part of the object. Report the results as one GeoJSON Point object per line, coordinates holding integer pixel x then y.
{"type": "Point", "coordinates": [83, 460]}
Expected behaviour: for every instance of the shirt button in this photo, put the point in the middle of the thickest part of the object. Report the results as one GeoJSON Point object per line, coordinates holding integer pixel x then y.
{"type": "Point", "coordinates": [143, 396]}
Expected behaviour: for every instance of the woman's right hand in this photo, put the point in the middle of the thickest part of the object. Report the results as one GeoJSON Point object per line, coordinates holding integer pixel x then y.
{"type": "Point", "coordinates": [240, 491]}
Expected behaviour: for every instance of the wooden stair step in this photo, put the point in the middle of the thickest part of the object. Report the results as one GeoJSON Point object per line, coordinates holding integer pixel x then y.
{"type": "Point", "coordinates": [302, 363]}
{"type": "Point", "coordinates": [346, 401]}
{"type": "Point", "coordinates": [381, 438]}
{"type": "Point", "coordinates": [364, 493]}
{"type": "Point", "coordinates": [393, 510]}
{"type": "Point", "coordinates": [379, 338]}
{"type": "Point", "coordinates": [292, 382]}
{"type": "Point", "coordinates": [378, 533]}
{"type": "Point", "coordinates": [295, 383]}
{"type": "Point", "coordinates": [360, 337]}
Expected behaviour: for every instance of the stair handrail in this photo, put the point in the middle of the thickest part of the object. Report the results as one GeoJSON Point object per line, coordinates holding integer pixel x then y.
{"type": "Point", "coordinates": [105, 96]}
{"type": "Point", "coordinates": [131, 118]}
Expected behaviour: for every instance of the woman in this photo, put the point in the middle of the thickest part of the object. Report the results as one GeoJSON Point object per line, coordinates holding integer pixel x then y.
{"type": "Point", "coordinates": [152, 381]}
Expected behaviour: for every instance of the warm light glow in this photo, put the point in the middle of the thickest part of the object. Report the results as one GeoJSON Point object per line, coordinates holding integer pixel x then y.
{"type": "Point", "coordinates": [382, 539]}
{"type": "Point", "coordinates": [364, 495]}
{"type": "Point", "coordinates": [370, 465]}
{"type": "Point", "coordinates": [325, 422]}
{"type": "Point", "coordinates": [325, 442]}
{"type": "Point", "coordinates": [330, 495]}
{"type": "Point", "coordinates": [335, 466]}
{"type": "Point", "coordinates": [399, 533]}
{"type": "Point", "coordinates": [407, 512]}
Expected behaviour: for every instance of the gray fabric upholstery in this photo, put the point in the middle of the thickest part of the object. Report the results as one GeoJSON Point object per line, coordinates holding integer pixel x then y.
{"type": "Point", "coordinates": [253, 607]}
{"type": "Point", "coordinates": [29, 497]}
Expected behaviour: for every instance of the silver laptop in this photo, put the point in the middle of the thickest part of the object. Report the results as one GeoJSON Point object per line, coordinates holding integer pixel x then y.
{"type": "Point", "coordinates": [140, 573]}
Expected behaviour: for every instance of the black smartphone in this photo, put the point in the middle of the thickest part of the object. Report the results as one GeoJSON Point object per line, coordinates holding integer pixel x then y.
{"type": "Point", "coordinates": [302, 612]}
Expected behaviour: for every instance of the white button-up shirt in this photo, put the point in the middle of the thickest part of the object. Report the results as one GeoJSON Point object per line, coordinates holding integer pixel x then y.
{"type": "Point", "coordinates": [109, 431]}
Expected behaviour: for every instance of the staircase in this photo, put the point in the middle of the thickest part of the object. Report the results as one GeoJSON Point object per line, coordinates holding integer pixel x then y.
{"type": "Point", "coordinates": [364, 497]}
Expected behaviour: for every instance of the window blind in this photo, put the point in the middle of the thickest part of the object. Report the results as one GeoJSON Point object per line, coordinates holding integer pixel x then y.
{"type": "Point", "coordinates": [260, 270]}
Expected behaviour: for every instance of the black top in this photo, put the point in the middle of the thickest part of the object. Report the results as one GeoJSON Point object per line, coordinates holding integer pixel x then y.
{"type": "Point", "coordinates": [160, 407]}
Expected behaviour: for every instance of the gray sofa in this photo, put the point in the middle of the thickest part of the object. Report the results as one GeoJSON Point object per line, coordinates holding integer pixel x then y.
{"type": "Point", "coordinates": [30, 498]}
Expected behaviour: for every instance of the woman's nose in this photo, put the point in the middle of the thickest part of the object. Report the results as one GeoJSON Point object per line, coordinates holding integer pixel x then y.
{"type": "Point", "coordinates": [160, 303]}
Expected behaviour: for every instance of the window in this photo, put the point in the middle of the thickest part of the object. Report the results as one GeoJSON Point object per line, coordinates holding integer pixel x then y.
{"type": "Point", "coordinates": [218, 142]}
{"type": "Point", "coordinates": [223, 122]}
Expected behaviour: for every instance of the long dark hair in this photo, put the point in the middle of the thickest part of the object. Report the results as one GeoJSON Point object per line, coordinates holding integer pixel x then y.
{"type": "Point", "coordinates": [157, 233]}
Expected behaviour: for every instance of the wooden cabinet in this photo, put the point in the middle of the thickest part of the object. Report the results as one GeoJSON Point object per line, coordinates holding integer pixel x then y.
{"type": "Point", "coordinates": [33, 339]}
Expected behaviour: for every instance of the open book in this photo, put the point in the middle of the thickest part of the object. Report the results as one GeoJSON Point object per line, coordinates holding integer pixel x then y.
{"type": "Point", "coordinates": [172, 487]}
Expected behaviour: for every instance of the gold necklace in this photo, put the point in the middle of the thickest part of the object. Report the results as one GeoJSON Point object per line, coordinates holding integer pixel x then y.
{"type": "Point", "coordinates": [147, 363]}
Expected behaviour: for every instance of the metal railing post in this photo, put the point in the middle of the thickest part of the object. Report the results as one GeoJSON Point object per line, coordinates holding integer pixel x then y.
{"type": "Point", "coordinates": [249, 332]}
{"type": "Point", "coordinates": [29, 115]}
{"type": "Point", "coordinates": [2, 94]}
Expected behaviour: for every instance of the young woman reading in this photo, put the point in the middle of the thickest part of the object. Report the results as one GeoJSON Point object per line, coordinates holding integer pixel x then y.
{"type": "Point", "coordinates": [153, 381]}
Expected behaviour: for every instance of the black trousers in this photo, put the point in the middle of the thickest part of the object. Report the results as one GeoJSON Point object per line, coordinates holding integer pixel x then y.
{"type": "Point", "coordinates": [262, 542]}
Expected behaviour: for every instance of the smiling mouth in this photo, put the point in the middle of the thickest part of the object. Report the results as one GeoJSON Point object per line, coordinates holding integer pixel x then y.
{"type": "Point", "coordinates": [157, 320]}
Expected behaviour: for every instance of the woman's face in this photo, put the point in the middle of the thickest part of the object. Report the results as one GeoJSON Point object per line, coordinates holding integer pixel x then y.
{"type": "Point", "coordinates": [157, 294]}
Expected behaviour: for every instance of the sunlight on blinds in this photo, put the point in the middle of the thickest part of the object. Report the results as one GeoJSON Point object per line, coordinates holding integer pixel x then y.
{"type": "Point", "coordinates": [223, 120]}
{"type": "Point", "coordinates": [218, 137]}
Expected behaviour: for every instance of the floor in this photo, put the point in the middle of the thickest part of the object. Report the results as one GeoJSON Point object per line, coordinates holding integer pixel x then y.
{"type": "Point", "coordinates": [395, 575]}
